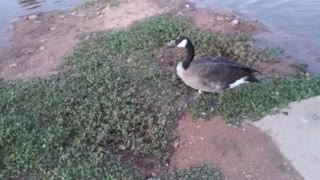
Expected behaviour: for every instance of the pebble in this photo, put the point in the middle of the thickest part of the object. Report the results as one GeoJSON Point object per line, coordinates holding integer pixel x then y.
{"type": "Point", "coordinates": [27, 51]}
{"type": "Point", "coordinates": [100, 135]}
{"type": "Point", "coordinates": [187, 6]}
{"type": "Point", "coordinates": [13, 65]}
{"type": "Point", "coordinates": [53, 28]}
{"type": "Point", "coordinates": [32, 17]}
{"type": "Point", "coordinates": [62, 17]}
{"type": "Point", "coordinates": [220, 18]}
{"type": "Point", "coordinates": [73, 13]}
{"type": "Point", "coordinates": [235, 22]}
{"type": "Point", "coordinates": [42, 48]}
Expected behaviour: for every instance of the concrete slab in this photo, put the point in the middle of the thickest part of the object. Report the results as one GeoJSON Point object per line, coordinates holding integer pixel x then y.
{"type": "Point", "coordinates": [297, 133]}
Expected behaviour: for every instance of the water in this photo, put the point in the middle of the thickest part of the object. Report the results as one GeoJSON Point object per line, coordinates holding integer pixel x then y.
{"type": "Point", "coordinates": [295, 24]}
{"type": "Point", "coordinates": [11, 9]}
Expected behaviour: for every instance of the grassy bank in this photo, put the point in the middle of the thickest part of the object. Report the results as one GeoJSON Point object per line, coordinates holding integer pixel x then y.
{"type": "Point", "coordinates": [256, 101]}
{"type": "Point", "coordinates": [116, 100]}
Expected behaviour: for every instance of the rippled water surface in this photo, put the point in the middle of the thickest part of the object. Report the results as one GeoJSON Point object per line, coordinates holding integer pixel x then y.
{"type": "Point", "coordinates": [11, 9]}
{"type": "Point", "coordinates": [295, 24]}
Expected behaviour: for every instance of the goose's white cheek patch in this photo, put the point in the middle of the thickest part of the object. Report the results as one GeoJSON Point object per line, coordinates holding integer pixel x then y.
{"type": "Point", "coordinates": [183, 43]}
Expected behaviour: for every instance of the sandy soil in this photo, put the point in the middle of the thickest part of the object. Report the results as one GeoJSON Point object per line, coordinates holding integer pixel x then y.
{"type": "Point", "coordinates": [239, 153]}
{"type": "Point", "coordinates": [40, 42]}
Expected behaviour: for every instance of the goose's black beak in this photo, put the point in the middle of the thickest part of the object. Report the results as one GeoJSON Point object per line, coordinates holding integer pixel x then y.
{"type": "Point", "coordinates": [171, 44]}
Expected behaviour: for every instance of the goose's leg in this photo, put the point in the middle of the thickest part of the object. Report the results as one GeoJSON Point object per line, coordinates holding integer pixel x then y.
{"type": "Point", "coordinates": [215, 104]}
{"type": "Point", "coordinates": [194, 97]}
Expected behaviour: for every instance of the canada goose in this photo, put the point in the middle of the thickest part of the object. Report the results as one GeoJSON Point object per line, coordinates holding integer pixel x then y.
{"type": "Point", "coordinates": [210, 74]}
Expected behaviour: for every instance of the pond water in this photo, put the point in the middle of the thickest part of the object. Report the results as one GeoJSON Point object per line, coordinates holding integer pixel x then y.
{"type": "Point", "coordinates": [295, 24]}
{"type": "Point", "coordinates": [11, 9]}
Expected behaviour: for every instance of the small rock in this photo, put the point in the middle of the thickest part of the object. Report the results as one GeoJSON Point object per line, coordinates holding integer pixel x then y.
{"type": "Point", "coordinates": [38, 22]}
{"type": "Point", "coordinates": [73, 13]}
{"type": "Point", "coordinates": [11, 28]}
{"type": "Point", "coordinates": [100, 135]}
{"type": "Point", "coordinates": [176, 144]}
{"type": "Point", "coordinates": [99, 13]}
{"type": "Point", "coordinates": [53, 28]}
{"type": "Point", "coordinates": [42, 48]}
{"type": "Point", "coordinates": [33, 16]}
{"type": "Point", "coordinates": [13, 65]}
{"type": "Point", "coordinates": [187, 6]}
{"type": "Point", "coordinates": [235, 22]}
{"type": "Point", "coordinates": [27, 51]}
{"type": "Point", "coordinates": [101, 16]}
{"type": "Point", "coordinates": [220, 18]}
{"type": "Point", "coordinates": [62, 17]}
{"type": "Point", "coordinates": [122, 147]}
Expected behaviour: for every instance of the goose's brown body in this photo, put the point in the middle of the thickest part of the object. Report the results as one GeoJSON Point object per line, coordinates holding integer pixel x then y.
{"type": "Point", "coordinates": [211, 74]}
{"type": "Point", "coordinates": [215, 74]}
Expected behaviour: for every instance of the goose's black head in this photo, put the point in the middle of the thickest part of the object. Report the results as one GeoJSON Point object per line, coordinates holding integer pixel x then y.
{"type": "Point", "coordinates": [180, 42]}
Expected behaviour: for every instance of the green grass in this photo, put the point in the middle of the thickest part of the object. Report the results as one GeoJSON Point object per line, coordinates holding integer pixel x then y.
{"type": "Point", "coordinates": [90, 3]}
{"type": "Point", "coordinates": [116, 100]}
{"type": "Point", "coordinates": [256, 100]}
{"type": "Point", "coordinates": [199, 173]}
{"type": "Point", "coordinates": [205, 172]}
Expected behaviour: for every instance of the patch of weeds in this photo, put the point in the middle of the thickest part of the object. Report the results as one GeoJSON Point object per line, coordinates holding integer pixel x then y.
{"type": "Point", "coordinates": [301, 68]}
{"type": "Point", "coordinates": [90, 3]}
{"type": "Point", "coordinates": [201, 173]}
{"type": "Point", "coordinates": [86, 4]}
{"type": "Point", "coordinates": [204, 172]}
{"type": "Point", "coordinates": [66, 126]}
{"type": "Point", "coordinates": [254, 101]}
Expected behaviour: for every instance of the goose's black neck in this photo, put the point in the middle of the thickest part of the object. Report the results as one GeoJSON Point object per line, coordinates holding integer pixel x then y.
{"type": "Point", "coordinates": [190, 55]}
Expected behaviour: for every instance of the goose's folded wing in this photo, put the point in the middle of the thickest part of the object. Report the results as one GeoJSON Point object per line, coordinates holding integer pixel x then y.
{"type": "Point", "coordinates": [222, 73]}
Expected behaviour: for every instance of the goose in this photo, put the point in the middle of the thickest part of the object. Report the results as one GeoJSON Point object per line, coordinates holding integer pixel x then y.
{"type": "Point", "coordinates": [210, 74]}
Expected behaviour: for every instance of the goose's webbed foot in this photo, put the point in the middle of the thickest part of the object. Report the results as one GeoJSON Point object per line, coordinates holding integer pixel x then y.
{"type": "Point", "coordinates": [215, 103]}
{"type": "Point", "coordinates": [193, 98]}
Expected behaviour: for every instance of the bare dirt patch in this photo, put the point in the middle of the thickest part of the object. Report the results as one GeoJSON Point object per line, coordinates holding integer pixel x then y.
{"type": "Point", "coordinates": [239, 153]}
{"type": "Point", "coordinates": [225, 22]}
